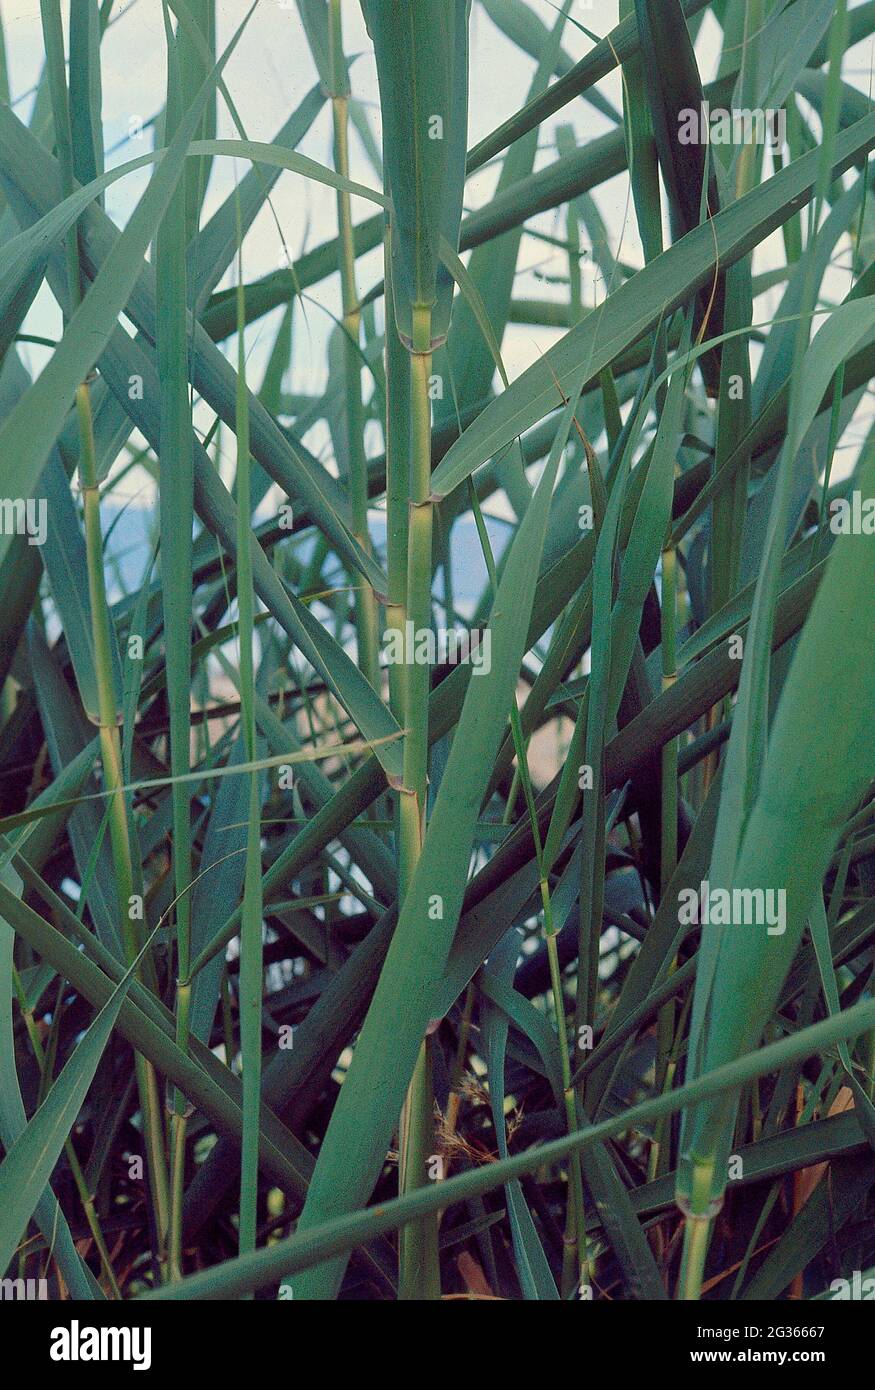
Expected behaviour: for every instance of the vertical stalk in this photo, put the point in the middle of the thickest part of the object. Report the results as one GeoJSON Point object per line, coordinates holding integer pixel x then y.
{"type": "Point", "coordinates": [110, 749]}
{"type": "Point", "coordinates": [708, 1127]}
{"type": "Point", "coordinates": [176, 494]}
{"type": "Point", "coordinates": [366, 614]}
{"type": "Point", "coordinates": [698, 1215]}
{"type": "Point", "coordinates": [53, 40]}
{"type": "Point", "coordinates": [397, 481]}
{"type": "Point", "coordinates": [178, 1125]}
{"type": "Point", "coordinates": [419, 549]}
{"type": "Point", "coordinates": [669, 846]}
{"type": "Point", "coordinates": [697, 1230]}
{"type": "Point", "coordinates": [750, 155]}
{"type": "Point", "coordinates": [251, 940]}
{"type": "Point", "coordinates": [418, 1251]}
{"type": "Point", "coordinates": [575, 1259]}
{"type": "Point", "coordinates": [669, 841]}
{"type": "Point", "coordinates": [419, 1271]}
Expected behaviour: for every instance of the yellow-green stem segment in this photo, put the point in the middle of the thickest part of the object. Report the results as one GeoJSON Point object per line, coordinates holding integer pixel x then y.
{"type": "Point", "coordinates": [419, 1270]}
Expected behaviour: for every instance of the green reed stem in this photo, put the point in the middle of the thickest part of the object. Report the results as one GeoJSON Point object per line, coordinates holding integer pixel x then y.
{"type": "Point", "coordinates": [110, 748]}
{"type": "Point", "coordinates": [251, 934]}
{"type": "Point", "coordinates": [176, 492]}
{"type": "Point", "coordinates": [669, 819]}
{"type": "Point", "coordinates": [397, 481]}
{"type": "Point", "coordinates": [419, 1268]}
{"type": "Point", "coordinates": [366, 610]}
{"type": "Point", "coordinates": [698, 1215]}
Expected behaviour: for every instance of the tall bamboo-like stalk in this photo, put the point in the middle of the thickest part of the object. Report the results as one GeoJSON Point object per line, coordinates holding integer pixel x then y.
{"type": "Point", "coordinates": [251, 943]}
{"type": "Point", "coordinates": [422, 65]}
{"type": "Point", "coordinates": [397, 484]}
{"type": "Point", "coordinates": [366, 608]}
{"type": "Point", "coordinates": [177, 517]}
{"type": "Point", "coordinates": [669, 837]}
{"type": "Point", "coordinates": [408, 431]}
{"type": "Point", "coordinates": [418, 1247]}
{"type": "Point", "coordinates": [110, 748]}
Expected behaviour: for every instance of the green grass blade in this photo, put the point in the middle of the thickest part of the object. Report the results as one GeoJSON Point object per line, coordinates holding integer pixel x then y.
{"type": "Point", "coordinates": [638, 305]}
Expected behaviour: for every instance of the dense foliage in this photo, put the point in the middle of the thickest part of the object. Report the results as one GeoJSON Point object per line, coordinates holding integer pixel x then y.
{"type": "Point", "coordinates": [437, 853]}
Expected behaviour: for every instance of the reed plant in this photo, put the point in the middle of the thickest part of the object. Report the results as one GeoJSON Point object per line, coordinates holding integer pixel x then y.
{"type": "Point", "coordinates": [438, 861]}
